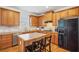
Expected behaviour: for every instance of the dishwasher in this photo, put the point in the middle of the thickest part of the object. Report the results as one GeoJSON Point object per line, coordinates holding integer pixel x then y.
{"type": "Point", "coordinates": [15, 39]}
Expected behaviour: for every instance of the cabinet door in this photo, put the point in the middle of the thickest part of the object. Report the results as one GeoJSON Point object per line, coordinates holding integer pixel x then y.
{"type": "Point", "coordinates": [0, 17]}
{"type": "Point", "coordinates": [0, 37]}
{"type": "Point", "coordinates": [56, 38]}
{"type": "Point", "coordinates": [48, 15]}
{"type": "Point", "coordinates": [0, 41]}
{"type": "Point", "coordinates": [43, 20]}
{"type": "Point", "coordinates": [53, 38]}
{"type": "Point", "coordinates": [57, 17]}
{"type": "Point", "coordinates": [16, 18]}
{"type": "Point", "coordinates": [40, 21]}
{"type": "Point", "coordinates": [64, 14]}
{"type": "Point", "coordinates": [10, 19]}
{"type": "Point", "coordinates": [34, 21]}
{"type": "Point", "coordinates": [6, 41]}
{"type": "Point", "coordinates": [54, 20]}
{"type": "Point", "coordinates": [73, 12]}
{"type": "Point", "coordinates": [4, 17]}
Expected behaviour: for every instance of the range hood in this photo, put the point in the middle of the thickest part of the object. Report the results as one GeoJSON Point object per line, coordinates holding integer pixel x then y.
{"type": "Point", "coordinates": [48, 21]}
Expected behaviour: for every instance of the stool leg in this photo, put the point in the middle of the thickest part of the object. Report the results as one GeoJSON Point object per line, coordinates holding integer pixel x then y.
{"type": "Point", "coordinates": [50, 45]}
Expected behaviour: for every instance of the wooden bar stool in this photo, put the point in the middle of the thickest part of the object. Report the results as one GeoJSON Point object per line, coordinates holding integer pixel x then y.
{"type": "Point", "coordinates": [48, 43]}
{"type": "Point", "coordinates": [35, 46]}
{"type": "Point", "coordinates": [28, 46]}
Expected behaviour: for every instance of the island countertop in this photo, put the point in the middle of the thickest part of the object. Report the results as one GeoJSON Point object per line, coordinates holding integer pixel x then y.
{"type": "Point", "coordinates": [30, 36]}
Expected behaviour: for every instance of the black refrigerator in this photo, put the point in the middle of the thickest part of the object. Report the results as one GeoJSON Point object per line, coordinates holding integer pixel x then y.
{"type": "Point", "coordinates": [68, 34]}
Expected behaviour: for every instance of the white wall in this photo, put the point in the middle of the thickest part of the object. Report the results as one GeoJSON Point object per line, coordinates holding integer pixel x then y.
{"type": "Point", "coordinates": [24, 21]}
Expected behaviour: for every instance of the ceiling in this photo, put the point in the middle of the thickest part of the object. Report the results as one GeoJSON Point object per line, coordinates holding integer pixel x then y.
{"type": "Point", "coordinates": [39, 9]}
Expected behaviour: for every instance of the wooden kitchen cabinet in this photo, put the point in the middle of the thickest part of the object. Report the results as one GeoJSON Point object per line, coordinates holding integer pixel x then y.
{"type": "Point", "coordinates": [54, 20]}
{"type": "Point", "coordinates": [56, 17]}
{"type": "Point", "coordinates": [48, 15]}
{"type": "Point", "coordinates": [40, 20]}
{"type": "Point", "coordinates": [9, 17]}
{"type": "Point", "coordinates": [16, 18]}
{"type": "Point", "coordinates": [55, 38]}
{"type": "Point", "coordinates": [73, 12]}
{"type": "Point", "coordinates": [6, 41]}
{"type": "Point", "coordinates": [0, 18]}
{"type": "Point", "coordinates": [0, 38]}
{"type": "Point", "coordinates": [34, 20]}
{"type": "Point", "coordinates": [4, 17]}
{"type": "Point", "coordinates": [63, 14]}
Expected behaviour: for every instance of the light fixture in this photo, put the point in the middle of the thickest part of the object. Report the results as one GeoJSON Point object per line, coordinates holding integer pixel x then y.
{"type": "Point", "coordinates": [49, 21]}
{"type": "Point", "coordinates": [47, 7]}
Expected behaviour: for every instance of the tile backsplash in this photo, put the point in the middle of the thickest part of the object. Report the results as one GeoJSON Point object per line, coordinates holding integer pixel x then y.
{"type": "Point", "coordinates": [11, 29]}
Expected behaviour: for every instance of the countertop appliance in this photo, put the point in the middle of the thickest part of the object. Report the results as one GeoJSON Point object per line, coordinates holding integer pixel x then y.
{"type": "Point", "coordinates": [68, 31]}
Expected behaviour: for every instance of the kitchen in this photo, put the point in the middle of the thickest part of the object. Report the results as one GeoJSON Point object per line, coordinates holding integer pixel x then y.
{"type": "Point", "coordinates": [20, 23]}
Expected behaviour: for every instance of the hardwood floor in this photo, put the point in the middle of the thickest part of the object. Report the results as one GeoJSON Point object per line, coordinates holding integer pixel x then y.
{"type": "Point", "coordinates": [11, 49]}
{"type": "Point", "coordinates": [55, 48]}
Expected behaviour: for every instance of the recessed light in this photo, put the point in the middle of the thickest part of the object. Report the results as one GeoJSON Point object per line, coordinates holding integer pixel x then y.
{"type": "Point", "coordinates": [47, 6]}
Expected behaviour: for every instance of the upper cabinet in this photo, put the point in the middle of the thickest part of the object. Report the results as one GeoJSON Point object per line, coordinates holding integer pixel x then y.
{"type": "Point", "coordinates": [16, 18]}
{"type": "Point", "coordinates": [34, 20]}
{"type": "Point", "coordinates": [9, 17]}
{"type": "Point", "coordinates": [64, 14]}
{"type": "Point", "coordinates": [0, 17]}
{"type": "Point", "coordinates": [40, 20]}
{"type": "Point", "coordinates": [54, 20]}
{"type": "Point", "coordinates": [48, 15]}
{"type": "Point", "coordinates": [56, 17]}
{"type": "Point", "coordinates": [4, 13]}
{"type": "Point", "coordinates": [73, 12]}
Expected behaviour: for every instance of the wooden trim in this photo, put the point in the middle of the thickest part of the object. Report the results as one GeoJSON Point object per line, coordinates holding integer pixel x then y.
{"type": "Point", "coordinates": [9, 8]}
{"type": "Point", "coordinates": [66, 8]}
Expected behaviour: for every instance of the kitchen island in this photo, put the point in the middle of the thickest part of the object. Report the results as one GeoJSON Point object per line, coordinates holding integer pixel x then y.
{"type": "Point", "coordinates": [27, 39]}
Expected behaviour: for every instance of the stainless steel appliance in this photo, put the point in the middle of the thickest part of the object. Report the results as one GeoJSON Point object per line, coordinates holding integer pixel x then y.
{"type": "Point", "coordinates": [68, 31]}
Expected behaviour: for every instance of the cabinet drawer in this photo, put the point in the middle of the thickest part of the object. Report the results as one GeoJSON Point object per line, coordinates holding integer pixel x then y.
{"type": "Point", "coordinates": [7, 37]}
{"type": "Point", "coordinates": [5, 45]}
{"type": "Point", "coordinates": [0, 37]}
{"type": "Point", "coordinates": [6, 41]}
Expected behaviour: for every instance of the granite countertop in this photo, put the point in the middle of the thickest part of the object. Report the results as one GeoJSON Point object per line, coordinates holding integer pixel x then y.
{"type": "Point", "coordinates": [15, 30]}
{"type": "Point", "coordinates": [30, 36]}
{"type": "Point", "coordinates": [10, 31]}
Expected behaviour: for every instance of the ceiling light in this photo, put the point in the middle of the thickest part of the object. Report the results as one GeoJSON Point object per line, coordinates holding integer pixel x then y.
{"type": "Point", "coordinates": [47, 6]}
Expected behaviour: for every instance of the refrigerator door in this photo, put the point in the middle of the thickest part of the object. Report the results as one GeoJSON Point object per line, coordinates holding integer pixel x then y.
{"type": "Point", "coordinates": [72, 34]}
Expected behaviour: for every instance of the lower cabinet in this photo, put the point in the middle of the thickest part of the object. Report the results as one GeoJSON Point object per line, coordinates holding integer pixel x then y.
{"type": "Point", "coordinates": [6, 41]}
{"type": "Point", "coordinates": [55, 38]}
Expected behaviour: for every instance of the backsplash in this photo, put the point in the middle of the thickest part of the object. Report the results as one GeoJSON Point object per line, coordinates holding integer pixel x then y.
{"type": "Point", "coordinates": [12, 29]}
